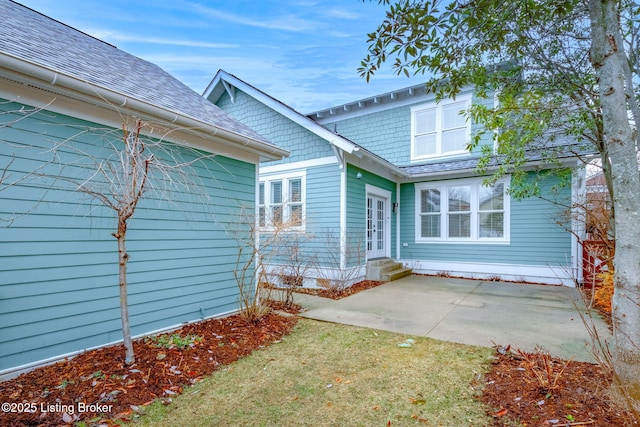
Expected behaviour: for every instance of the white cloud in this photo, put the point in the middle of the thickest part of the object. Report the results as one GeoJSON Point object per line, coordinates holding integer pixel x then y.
{"type": "Point", "coordinates": [289, 22]}
{"type": "Point", "coordinates": [117, 36]}
{"type": "Point", "coordinates": [343, 14]}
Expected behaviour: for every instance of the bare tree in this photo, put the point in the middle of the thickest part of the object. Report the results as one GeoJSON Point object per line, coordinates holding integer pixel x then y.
{"type": "Point", "coordinates": [119, 179]}
{"type": "Point", "coordinates": [8, 119]}
{"type": "Point", "coordinates": [335, 277]}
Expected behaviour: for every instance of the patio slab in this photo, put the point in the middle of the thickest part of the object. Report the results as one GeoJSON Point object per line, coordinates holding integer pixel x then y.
{"type": "Point", "coordinates": [471, 312]}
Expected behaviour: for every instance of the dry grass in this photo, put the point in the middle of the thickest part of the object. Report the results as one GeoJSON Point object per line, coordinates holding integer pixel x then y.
{"type": "Point", "coordinates": [327, 375]}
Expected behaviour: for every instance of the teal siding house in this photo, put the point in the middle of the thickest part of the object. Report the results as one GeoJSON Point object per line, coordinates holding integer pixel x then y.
{"type": "Point", "coordinates": [63, 97]}
{"type": "Point", "coordinates": [388, 180]}
{"type": "Point", "coordinates": [320, 192]}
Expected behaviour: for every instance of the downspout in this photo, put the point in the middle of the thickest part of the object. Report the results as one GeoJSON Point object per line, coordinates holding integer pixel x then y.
{"type": "Point", "coordinates": [398, 221]}
{"type": "Point", "coordinates": [343, 206]}
{"type": "Point", "coordinates": [256, 231]}
{"type": "Point", "coordinates": [578, 193]}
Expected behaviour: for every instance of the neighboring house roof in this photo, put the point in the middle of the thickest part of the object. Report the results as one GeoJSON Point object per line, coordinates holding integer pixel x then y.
{"type": "Point", "coordinates": [225, 82]}
{"type": "Point", "coordinates": [34, 47]}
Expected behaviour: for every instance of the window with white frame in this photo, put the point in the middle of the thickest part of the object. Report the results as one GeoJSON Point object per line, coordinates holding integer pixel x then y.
{"type": "Point", "coordinates": [440, 129]}
{"type": "Point", "coordinates": [281, 201]}
{"type": "Point", "coordinates": [462, 211]}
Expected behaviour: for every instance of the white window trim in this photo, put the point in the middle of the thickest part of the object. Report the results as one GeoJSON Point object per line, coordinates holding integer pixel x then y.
{"type": "Point", "coordinates": [285, 178]}
{"type": "Point", "coordinates": [466, 98]}
{"type": "Point", "coordinates": [475, 184]}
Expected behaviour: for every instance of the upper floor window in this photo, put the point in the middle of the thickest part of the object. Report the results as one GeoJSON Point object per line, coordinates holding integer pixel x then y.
{"type": "Point", "coordinates": [281, 201]}
{"type": "Point", "coordinates": [440, 129]}
{"type": "Point", "coordinates": [462, 210]}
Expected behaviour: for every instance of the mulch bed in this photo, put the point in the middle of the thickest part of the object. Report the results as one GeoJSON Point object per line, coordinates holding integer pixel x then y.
{"type": "Point", "coordinates": [338, 293]}
{"type": "Point", "coordinates": [55, 394]}
{"type": "Point", "coordinates": [579, 397]}
{"type": "Point", "coordinates": [510, 390]}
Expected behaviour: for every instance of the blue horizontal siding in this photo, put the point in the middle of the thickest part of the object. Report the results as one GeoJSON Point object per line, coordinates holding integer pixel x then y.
{"type": "Point", "coordinates": [323, 198]}
{"type": "Point", "coordinates": [357, 207]}
{"type": "Point", "coordinates": [536, 236]}
{"type": "Point", "coordinates": [322, 221]}
{"type": "Point", "coordinates": [58, 259]}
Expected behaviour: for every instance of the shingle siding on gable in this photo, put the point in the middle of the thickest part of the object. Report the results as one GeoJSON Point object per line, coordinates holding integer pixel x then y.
{"type": "Point", "coordinates": [58, 260]}
{"type": "Point", "coordinates": [302, 144]}
{"type": "Point", "coordinates": [387, 133]}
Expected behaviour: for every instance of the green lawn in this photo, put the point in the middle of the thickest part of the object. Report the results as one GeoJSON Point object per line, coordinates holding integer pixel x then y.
{"type": "Point", "coordinates": [326, 374]}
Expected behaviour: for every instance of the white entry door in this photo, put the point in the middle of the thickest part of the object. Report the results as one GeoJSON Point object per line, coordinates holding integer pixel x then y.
{"type": "Point", "coordinates": [377, 226]}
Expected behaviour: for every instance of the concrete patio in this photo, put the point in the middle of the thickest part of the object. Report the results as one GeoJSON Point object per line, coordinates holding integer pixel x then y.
{"type": "Point", "coordinates": [472, 312]}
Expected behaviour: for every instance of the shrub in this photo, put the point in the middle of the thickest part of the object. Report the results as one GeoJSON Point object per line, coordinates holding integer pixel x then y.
{"type": "Point", "coordinates": [603, 293]}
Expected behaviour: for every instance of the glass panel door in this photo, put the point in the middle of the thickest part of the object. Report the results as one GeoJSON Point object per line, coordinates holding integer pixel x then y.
{"type": "Point", "coordinates": [376, 227]}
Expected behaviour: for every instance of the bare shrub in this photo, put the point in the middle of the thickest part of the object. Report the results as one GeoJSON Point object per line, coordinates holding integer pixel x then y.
{"type": "Point", "coordinates": [295, 262]}
{"type": "Point", "coordinates": [257, 251]}
{"type": "Point", "coordinates": [542, 369]}
{"type": "Point", "coordinates": [339, 266]}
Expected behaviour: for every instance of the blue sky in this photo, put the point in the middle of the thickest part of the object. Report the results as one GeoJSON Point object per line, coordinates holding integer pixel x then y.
{"type": "Point", "coordinates": [303, 52]}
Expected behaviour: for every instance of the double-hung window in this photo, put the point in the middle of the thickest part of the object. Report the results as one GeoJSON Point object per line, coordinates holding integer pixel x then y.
{"type": "Point", "coordinates": [281, 201]}
{"type": "Point", "coordinates": [462, 211]}
{"type": "Point", "coordinates": [440, 129]}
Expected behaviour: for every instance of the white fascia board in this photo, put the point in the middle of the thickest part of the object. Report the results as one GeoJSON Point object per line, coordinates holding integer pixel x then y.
{"type": "Point", "coordinates": [304, 164]}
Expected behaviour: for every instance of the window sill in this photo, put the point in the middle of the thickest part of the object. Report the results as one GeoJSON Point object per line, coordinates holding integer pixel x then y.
{"type": "Point", "coordinates": [447, 156]}
{"type": "Point", "coordinates": [300, 229]}
{"type": "Point", "coordinates": [464, 241]}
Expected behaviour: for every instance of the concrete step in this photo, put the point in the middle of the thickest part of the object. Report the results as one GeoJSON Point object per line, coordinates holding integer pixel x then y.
{"type": "Point", "coordinates": [386, 270]}
{"type": "Point", "coordinates": [396, 274]}
{"type": "Point", "coordinates": [376, 271]}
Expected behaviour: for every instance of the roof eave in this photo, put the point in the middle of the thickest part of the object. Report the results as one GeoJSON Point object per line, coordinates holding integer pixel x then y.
{"type": "Point", "coordinates": [46, 77]}
{"type": "Point", "coordinates": [466, 172]}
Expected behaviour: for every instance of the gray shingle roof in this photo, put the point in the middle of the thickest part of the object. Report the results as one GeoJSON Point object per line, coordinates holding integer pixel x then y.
{"type": "Point", "coordinates": [547, 154]}
{"type": "Point", "coordinates": [31, 36]}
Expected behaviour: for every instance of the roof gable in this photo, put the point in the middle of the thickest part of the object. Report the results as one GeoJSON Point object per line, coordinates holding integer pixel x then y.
{"type": "Point", "coordinates": [224, 82]}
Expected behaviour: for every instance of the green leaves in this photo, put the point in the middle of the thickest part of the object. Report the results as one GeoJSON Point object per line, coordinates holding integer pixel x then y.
{"type": "Point", "coordinates": [529, 56]}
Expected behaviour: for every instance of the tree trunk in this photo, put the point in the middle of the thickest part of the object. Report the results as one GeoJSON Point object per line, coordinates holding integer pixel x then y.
{"type": "Point", "coordinates": [123, 257]}
{"type": "Point", "coordinates": [607, 56]}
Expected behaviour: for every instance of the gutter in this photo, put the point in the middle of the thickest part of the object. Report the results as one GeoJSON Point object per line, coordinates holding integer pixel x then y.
{"type": "Point", "coordinates": [567, 161]}
{"type": "Point", "coordinates": [115, 99]}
